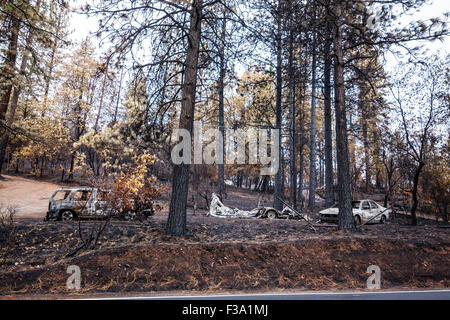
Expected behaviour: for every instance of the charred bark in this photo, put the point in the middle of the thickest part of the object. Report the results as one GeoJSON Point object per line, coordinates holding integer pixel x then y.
{"type": "Point", "coordinates": [293, 171]}
{"type": "Point", "coordinates": [279, 82]}
{"type": "Point", "coordinates": [312, 139]}
{"type": "Point", "coordinates": [346, 221]}
{"type": "Point", "coordinates": [221, 182]}
{"type": "Point", "coordinates": [8, 69]}
{"type": "Point", "coordinates": [176, 222]}
{"type": "Point", "coordinates": [414, 193]}
{"type": "Point", "coordinates": [11, 113]}
{"type": "Point", "coordinates": [329, 179]}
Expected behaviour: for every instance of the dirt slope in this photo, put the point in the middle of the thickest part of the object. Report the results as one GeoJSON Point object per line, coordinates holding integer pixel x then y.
{"type": "Point", "coordinates": [223, 255]}
{"type": "Point", "coordinates": [313, 265]}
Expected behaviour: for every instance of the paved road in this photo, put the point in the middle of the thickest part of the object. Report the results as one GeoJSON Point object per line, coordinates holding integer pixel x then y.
{"type": "Point", "coordinates": [374, 295]}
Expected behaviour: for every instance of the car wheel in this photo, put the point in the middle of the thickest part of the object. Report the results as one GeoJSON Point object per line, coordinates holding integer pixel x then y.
{"type": "Point", "coordinates": [67, 215]}
{"type": "Point", "coordinates": [358, 220]}
{"type": "Point", "coordinates": [271, 215]}
{"type": "Point", "coordinates": [383, 219]}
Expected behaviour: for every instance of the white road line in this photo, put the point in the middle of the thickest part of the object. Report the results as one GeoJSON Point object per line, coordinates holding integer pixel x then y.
{"type": "Point", "coordinates": [262, 295]}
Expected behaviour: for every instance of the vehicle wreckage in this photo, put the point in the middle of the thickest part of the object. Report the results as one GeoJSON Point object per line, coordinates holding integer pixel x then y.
{"type": "Point", "coordinates": [72, 203]}
{"type": "Point", "coordinates": [219, 210]}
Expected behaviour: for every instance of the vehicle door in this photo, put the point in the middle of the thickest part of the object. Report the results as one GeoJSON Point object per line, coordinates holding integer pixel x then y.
{"type": "Point", "coordinates": [375, 209]}
{"type": "Point", "coordinates": [82, 202]}
{"type": "Point", "coordinates": [366, 211]}
{"type": "Point", "coordinates": [59, 197]}
{"type": "Point", "coordinates": [101, 201]}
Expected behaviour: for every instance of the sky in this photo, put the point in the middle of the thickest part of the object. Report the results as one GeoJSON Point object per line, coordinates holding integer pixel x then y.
{"type": "Point", "coordinates": [436, 8]}
{"type": "Point", "coordinates": [83, 26]}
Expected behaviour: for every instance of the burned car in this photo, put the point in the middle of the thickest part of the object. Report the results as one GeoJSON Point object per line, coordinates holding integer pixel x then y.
{"type": "Point", "coordinates": [219, 210]}
{"type": "Point", "coordinates": [71, 203]}
{"type": "Point", "coordinates": [363, 211]}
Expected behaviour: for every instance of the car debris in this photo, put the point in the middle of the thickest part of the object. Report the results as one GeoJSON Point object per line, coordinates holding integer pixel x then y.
{"type": "Point", "coordinates": [71, 203]}
{"type": "Point", "coordinates": [364, 211]}
{"type": "Point", "coordinates": [219, 210]}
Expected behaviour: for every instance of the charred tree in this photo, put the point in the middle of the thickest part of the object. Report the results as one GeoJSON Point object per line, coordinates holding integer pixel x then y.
{"type": "Point", "coordinates": [312, 139]}
{"type": "Point", "coordinates": [346, 221]}
{"type": "Point", "coordinates": [221, 182]}
{"type": "Point", "coordinates": [9, 68]}
{"type": "Point", "coordinates": [329, 178]}
{"type": "Point", "coordinates": [176, 222]}
{"type": "Point", "coordinates": [278, 109]}
{"type": "Point", "coordinates": [293, 171]}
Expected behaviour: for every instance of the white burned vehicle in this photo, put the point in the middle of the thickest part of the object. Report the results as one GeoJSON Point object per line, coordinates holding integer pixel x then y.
{"type": "Point", "coordinates": [363, 211]}
{"type": "Point", "coordinates": [219, 210]}
{"type": "Point", "coordinates": [71, 203]}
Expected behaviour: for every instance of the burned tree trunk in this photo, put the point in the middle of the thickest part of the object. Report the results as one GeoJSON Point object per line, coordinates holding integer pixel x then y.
{"type": "Point", "coordinates": [302, 143]}
{"type": "Point", "coordinates": [9, 67]}
{"type": "Point", "coordinates": [387, 196]}
{"type": "Point", "coordinates": [329, 179]}
{"type": "Point", "coordinates": [176, 223]}
{"type": "Point", "coordinates": [346, 221]}
{"type": "Point", "coordinates": [221, 184]}
{"type": "Point", "coordinates": [293, 171]}
{"type": "Point", "coordinates": [8, 71]}
{"type": "Point", "coordinates": [15, 96]}
{"type": "Point", "coordinates": [414, 193]}
{"type": "Point", "coordinates": [278, 183]}
{"type": "Point", "coordinates": [312, 139]}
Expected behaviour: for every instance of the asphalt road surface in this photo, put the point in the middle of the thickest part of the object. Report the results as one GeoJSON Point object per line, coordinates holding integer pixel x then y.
{"type": "Point", "coordinates": [372, 295]}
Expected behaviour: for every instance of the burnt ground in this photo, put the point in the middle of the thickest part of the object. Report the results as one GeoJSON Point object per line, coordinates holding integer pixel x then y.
{"type": "Point", "coordinates": [222, 255]}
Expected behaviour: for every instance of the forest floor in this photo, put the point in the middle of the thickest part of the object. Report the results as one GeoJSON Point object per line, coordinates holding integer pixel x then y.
{"type": "Point", "coordinates": [217, 255]}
